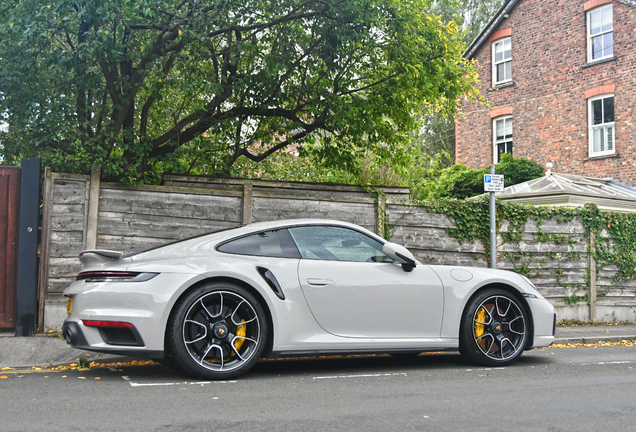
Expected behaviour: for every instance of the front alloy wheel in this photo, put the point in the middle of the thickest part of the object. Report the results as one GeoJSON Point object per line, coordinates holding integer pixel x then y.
{"type": "Point", "coordinates": [494, 329]}
{"type": "Point", "coordinates": [218, 331]}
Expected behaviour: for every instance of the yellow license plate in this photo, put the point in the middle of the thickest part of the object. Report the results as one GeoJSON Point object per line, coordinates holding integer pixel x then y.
{"type": "Point", "coordinates": [69, 305]}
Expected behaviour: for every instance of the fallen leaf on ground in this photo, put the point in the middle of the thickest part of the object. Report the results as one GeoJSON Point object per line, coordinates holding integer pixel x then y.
{"type": "Point", "coordinates": [596, 344]}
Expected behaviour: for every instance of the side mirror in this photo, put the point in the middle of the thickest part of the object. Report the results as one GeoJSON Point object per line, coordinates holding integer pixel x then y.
{"type": "Point", "coordinates": [400, 254]}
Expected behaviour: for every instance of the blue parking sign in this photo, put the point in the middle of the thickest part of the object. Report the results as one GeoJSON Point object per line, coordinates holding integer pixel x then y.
{"type": "Point", "coordinates": [493, 182]}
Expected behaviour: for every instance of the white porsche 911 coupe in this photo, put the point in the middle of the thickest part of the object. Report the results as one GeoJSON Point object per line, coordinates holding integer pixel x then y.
{"type": "Point", "coordinates": [213, 305]}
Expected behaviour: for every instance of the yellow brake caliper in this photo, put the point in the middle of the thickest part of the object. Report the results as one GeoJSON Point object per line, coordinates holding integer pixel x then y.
{"type": "Point", "coordinates": [481, 317]}
{"type": "Point", "coordinates": [240, 331]}
{"type": "Point", "coordinates": [238, 343]}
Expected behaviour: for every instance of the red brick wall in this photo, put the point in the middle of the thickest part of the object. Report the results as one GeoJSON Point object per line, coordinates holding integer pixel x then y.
{"type": "Point", "coordinates": [548, 98]}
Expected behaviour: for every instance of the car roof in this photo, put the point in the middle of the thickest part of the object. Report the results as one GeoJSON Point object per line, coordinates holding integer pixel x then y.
{"type": "Point", "coordinates": [212, 239]}
{"type": "Point", "coordinates": [284, 223]}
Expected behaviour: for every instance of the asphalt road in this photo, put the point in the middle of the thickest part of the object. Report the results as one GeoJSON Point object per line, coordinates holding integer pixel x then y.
{"type": "Point", "coordinates": [553, 389]}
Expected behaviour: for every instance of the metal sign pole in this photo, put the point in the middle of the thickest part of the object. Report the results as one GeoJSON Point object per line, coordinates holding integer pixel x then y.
{"type": "Point", "coordinates": [493, 183]}
{"type": "Point", "coordinates": [493, 226]}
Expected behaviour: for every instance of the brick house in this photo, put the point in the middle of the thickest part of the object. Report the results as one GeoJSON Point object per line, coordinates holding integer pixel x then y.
{"type": "Point", "coordinates": [561, 78]}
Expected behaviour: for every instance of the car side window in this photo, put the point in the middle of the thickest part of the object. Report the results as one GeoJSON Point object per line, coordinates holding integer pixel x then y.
{"type": "Point", "coordinates": [337, 244]}
{"type": "Point", "coordinates": [275, 243]}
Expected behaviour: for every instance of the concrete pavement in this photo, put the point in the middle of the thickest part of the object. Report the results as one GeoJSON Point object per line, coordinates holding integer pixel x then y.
{"type": "Point", "coordinates": [46, 350]}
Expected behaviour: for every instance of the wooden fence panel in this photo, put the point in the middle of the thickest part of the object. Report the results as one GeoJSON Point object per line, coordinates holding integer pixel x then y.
{"type": "Point", "coordinates": [136, 218]}
{"type": "Point", "coordinates": [66, 231]}
{"type": "Point", "coordinates": [267, 209]}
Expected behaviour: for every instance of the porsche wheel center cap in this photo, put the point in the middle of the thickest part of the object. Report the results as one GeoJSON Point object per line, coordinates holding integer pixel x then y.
{"type": "Point", "coordinates": [220, 330]}
{"type": "Point", "coordinates": [497, 328]}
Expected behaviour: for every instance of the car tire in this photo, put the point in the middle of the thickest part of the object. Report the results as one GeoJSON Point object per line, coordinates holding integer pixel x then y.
{"type": "Point", "coordinates": [494, 328]}
{"type": "Point", "coordinates": [216, 331]}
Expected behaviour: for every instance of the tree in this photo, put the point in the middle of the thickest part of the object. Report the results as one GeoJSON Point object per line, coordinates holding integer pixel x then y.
{"type": "Point", "coordinates": [437, 130]}
{"type": "Point", "coordinates": [136, 87]}
{"type": "Point", "coordinates": [471, 15]}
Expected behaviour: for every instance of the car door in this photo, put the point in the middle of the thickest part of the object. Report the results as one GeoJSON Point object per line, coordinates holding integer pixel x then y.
{"type": "Point", "coordinates": [354, 290]}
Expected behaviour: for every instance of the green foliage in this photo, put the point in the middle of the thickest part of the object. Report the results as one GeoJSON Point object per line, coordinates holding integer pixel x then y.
{"type": "Point", "coordinates": [138, 88]}
{"type": "Point", "coordinates": [83, 363]}
{"type": "Point", "coordinates": [517, 170]}
{"type": "Point", "coordinates": [615, 243]}
{"type": "Point", "coordinates": [436, 133]}
{"type": "Point", "coordinates": [471, 15]}
{"type": "Point", "coordinates": [459, 181]}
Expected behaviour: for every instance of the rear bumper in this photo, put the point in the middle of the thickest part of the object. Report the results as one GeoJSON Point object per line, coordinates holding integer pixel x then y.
{"type": "Point", "coordinates": [75, 336]}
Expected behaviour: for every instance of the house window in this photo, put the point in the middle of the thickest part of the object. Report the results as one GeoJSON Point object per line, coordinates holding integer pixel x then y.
{"type": "Point", "coordinates": [600, 33]}
{"type": "Point", "coordinates": [502, 134]}
{"type": "Point", "coordinates": [501, 61]}
{"type": "Point", "coordinates": [601, 121]}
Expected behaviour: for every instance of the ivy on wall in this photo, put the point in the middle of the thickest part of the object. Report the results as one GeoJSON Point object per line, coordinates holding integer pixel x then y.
{"type": "Point", "coordinates": [615, 234]}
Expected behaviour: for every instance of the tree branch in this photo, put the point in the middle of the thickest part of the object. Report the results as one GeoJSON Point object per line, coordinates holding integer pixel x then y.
{"type": "Point", "coordinates": [260, 157]}
{"type": "Point", "coordinates": [151, 100]}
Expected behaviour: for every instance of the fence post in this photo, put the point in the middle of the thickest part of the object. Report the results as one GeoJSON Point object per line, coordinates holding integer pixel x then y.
{"type": "Point", "coordinates": [592, 264]}
{"type": "Point", "coordinates": [47, 203]}
{"type": "Point", "coordinates": [381, 215]}
{"type": "Point", "coordinates": [247, 202]}
{"type": "Point", "coordinates": [93, 210]}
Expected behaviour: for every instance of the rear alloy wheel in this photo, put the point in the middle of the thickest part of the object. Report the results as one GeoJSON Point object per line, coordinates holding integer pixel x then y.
{"type": "Point", "coordinates": [494, 329]}
{"type": "Point", "coordinates": [218, 331]}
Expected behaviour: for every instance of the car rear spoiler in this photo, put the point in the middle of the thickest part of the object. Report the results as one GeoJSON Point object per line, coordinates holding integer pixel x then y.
{"type": "Point", "coordinates": [98, 256]}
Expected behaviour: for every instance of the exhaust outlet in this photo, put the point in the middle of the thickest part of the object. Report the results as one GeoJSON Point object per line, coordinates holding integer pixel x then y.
{"type": "Point", "coordinates": [68, 335]}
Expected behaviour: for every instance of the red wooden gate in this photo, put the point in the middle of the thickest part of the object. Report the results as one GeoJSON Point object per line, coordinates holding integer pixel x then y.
{"type": "Point", "coordinates": [9, 197]}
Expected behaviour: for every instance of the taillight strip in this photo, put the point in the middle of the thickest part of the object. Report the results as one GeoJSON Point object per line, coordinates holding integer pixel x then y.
{"type": "Point", "coordinates": [92, 323]}
{"type": "Point", "coordinates": [115, 276]}
{"type": "Point", "coordinates": [105, 274]}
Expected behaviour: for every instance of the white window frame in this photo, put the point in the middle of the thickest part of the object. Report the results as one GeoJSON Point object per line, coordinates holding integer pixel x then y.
{"type": "Point", "coordinates": [495, 143]}
{"type": "Point", "coordinates": [495, 64]}
{"type": "Point", "coordinates": [602, 33]}
{"type": "Point", "coordinates": [604, 126]}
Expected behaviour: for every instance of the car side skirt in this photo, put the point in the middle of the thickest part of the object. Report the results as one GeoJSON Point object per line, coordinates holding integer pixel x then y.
{"type": "Point", "coordinates": [313, 353]}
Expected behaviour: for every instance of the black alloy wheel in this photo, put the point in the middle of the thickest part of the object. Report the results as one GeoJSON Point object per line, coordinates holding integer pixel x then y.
{"type": "Point", "coordinates": [217, 331]}
{"type": "Point", "coordinates": [494, 328]}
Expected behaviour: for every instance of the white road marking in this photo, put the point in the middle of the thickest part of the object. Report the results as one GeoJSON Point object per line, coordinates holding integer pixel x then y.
{"type": "Point", "coordinates": [608, 363]}
{"type": "Point", "coordinates": [484, 369]}
{"type": "Point", "coordinates": [134, 384]}
{"type": "Point", "coordinates": [360, 376]}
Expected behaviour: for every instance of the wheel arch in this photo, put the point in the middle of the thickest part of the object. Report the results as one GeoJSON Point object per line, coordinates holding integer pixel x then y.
{"type": "Point", "coordinates": [270, 334]}
{"type": "Point", "coordinates": [513, 291]}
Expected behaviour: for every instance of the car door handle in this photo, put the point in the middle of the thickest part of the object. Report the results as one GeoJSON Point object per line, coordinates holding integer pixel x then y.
{"type": "Point", "coordinates": [320, 282]}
